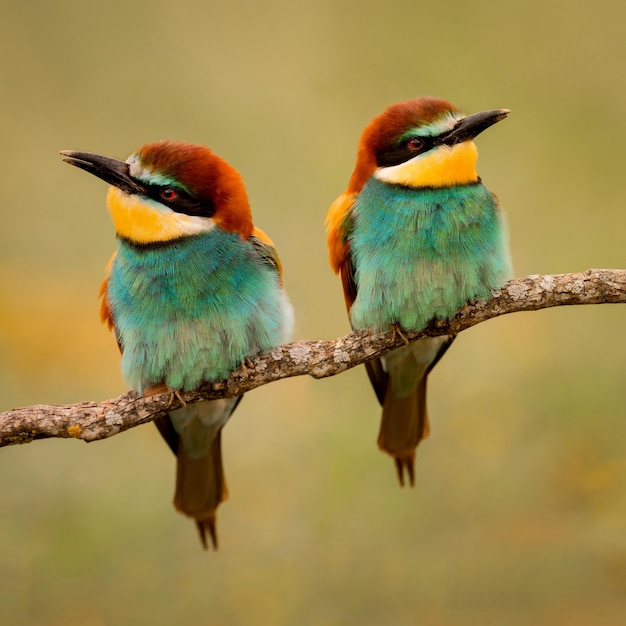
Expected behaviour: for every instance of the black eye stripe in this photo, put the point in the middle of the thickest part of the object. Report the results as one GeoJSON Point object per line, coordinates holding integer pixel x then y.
{"type": "Point", "coordinates": [404, 151]}
{"type": "Point", "coordinates": [182, 202]}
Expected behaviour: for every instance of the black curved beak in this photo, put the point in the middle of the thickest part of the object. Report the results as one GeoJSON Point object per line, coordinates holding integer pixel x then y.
{"type": "Point", "coordinates": [472, 125]}
{"type": "Point", "coordinates": [109, 170]}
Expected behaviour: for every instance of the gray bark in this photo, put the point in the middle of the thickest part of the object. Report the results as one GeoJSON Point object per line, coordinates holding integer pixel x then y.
{"type": "Point", "coordinates": [90, 421]}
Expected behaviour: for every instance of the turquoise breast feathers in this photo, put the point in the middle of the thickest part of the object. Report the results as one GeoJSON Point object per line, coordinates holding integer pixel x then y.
{"type": "Point", "coordinates": [423, 253]}
{"type": "Point", "coordinates": [191, 310]}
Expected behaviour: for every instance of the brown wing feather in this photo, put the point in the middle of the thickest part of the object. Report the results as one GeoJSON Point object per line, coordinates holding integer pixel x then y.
{"type": "Point", "coordinates": [348, 281]}
{"type": "Point", "coordinates": [106, 315]}
{"type": "Point", "coordinates": [338, 226]}
{"type": "Point", "coordinates": [264, 246]}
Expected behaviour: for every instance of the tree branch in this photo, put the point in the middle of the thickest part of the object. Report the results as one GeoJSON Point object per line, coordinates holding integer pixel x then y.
{"type": "Point", "coordinates": [91, 421]}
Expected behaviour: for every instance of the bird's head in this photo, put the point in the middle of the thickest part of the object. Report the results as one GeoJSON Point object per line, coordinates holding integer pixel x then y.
{"type": "Point", "coordinates": [426, 142]}
{"type": "Point", "coordinates": [168, 190]}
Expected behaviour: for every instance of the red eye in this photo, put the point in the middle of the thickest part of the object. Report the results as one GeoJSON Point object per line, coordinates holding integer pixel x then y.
{"type": "Point", "coordinates": [168, 193]}
{"type": "Point", "coordinates": [415, 143]}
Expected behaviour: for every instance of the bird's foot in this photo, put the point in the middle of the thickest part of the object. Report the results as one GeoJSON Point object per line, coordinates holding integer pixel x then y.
{"type": "Point", "coordinates": [155, 390]}
{"type": "Point", "coordinates": [175, 393]}
{"type": "Point", "coordinates": [246, 364]}
{"type": "Point", "coordinates": [397, 332]}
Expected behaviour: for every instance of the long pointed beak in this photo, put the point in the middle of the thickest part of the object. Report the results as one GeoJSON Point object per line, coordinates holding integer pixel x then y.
{"type": "Point", "coordinates": [472, 125]}
{"type": "Point", "coordinates": [109, 170]}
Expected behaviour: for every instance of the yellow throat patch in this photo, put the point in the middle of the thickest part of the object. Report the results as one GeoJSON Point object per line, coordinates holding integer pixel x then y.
{"type": "Point", "coordinates": [443, 167]}
{"type": "Point", "coordinates": [136, 220]}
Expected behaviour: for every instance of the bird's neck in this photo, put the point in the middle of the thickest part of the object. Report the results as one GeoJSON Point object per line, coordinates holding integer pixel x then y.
{"type": "Point", "coordinates": [446, 166]}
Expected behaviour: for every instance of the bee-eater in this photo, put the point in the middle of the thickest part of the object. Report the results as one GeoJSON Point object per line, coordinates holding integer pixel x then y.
{"type": "Point", "coordinates": [193, 290]}
{"type": "Point", "coordinates": [414, 237]}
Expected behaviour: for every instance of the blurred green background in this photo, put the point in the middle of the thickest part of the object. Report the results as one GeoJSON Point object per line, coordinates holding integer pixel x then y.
{"type": "Point", "coordinates": [519, 512]}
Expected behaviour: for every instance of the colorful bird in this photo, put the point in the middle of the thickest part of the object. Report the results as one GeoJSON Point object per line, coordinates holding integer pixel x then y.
{"type": "Point", "coordinates": [414, 237]}
{"type": "Point", "coordinates": [193, 290]}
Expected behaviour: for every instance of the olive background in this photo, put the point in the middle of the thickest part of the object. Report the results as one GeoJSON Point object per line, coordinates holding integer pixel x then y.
{"type": "Point", "coordinates": [519, 511]}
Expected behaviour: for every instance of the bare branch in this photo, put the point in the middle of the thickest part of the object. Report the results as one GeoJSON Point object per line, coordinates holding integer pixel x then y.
{"type": "Point", "coordinates": [91, 421]}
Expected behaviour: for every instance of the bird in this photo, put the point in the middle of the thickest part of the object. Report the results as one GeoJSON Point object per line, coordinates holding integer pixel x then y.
{"type": "Point", "coordinates": [193, 291]}
{"type": "Point", "coordinates": [415, 236]}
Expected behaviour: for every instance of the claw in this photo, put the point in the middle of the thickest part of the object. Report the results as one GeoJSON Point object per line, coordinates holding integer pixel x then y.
{"type": "Point", "coordinates": [180, 397]}
{"type": "Point", "coordinates": [175, 393]}
{"type": "Point", "coordinates": [246, 364]}
{"type": "Point", "coordinates": [397, 332]}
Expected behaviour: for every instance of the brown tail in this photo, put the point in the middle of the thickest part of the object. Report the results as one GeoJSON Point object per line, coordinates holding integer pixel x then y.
{"type": "Point", "coordinates": [399, 379]}
{"type": "Point", "coordinates": [404, 424]}
{"type": "Point", "coordinates": [201, 487]}
{"type": "Point", "coordinates": [194, 433]}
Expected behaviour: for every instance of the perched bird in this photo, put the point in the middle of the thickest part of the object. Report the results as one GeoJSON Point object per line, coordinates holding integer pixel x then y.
{"type": "Point", "coordinates": [414, 237]}
{"type": "Point", "coordinates": [193, 290]}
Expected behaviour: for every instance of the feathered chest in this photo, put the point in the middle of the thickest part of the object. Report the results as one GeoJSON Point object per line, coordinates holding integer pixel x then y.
{"type": "Point", "coordinates": [190, 310]}
{"type": "Point", "coordinates": [423, 253]}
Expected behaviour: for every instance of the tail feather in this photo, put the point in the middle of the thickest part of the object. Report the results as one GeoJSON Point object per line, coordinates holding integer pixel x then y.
{"type": "Point", "coordinates": [200, 481]}
{"type": "Point", "coordinates": [204, 526]}
{"type": "Point", "coordinates": [406, 463]}
{"type": "Point", "coordinates": [404, 424]}
{"type": "Point", "coordinates": [399, 379]}
{"type": "Point", "coordinates": [201, 487]}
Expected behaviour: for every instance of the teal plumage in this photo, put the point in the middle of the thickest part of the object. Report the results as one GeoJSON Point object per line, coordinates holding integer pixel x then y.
{"type": "Point", "coordinates": [193, 290]}
{"type": "Point", "coordinates": [415, 236]}
{"type": "Point", "coordinates": [421, 254]}
{"type": "Point", "coordinates": [193, 309]}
